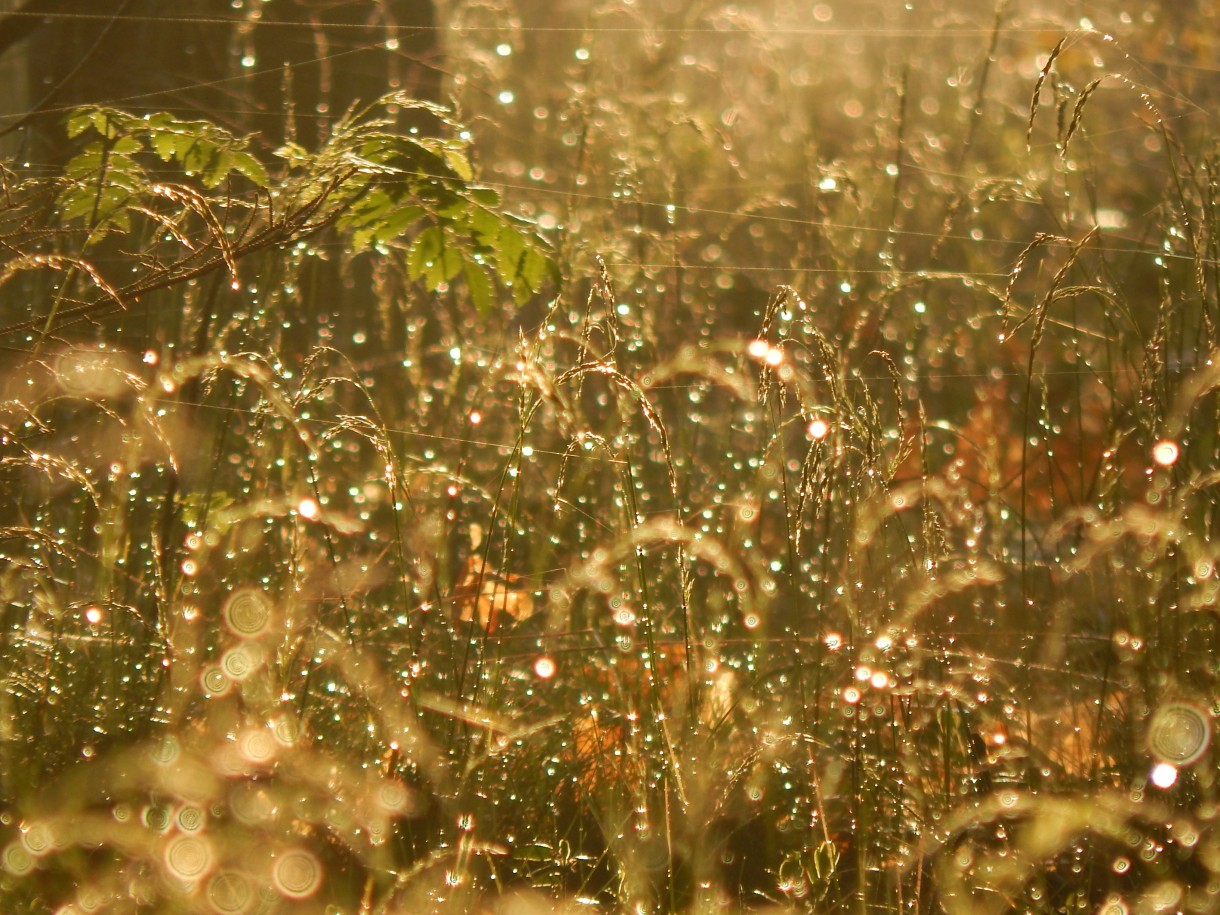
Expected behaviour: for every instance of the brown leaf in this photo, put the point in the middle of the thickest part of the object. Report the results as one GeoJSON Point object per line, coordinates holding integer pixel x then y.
{"type": "Point", "coordinates": [484, 594]}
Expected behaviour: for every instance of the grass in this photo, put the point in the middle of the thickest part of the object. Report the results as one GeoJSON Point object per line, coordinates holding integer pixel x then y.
{"type": "Point", "coordinates": [830, 532]}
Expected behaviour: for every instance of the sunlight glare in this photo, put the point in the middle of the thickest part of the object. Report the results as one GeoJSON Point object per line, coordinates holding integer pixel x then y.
{"type": "Point", "coordinates": [1165, 452]}
{"type": "Point", "coordinates": [1163, 775]}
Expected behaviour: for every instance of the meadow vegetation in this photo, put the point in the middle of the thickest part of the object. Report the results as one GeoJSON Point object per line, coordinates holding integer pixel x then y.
{"type": "Point", "coordinates": [728, 458]}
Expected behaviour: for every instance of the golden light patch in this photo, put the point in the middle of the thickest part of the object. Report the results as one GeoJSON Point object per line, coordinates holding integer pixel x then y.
{"type": "Point", "coordinates": [492, 599]}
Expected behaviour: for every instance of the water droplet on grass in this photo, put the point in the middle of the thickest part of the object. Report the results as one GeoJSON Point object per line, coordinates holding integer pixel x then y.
{"type": "Point", "coordinates": [247, 612]}
{"type": "Point", "coordinates": [189, 857]}
{"type": "Point", "coordinates": [1165, 452]}
{"type": "Point", "coordinates": [231, 893]}
{"type": "Point", "coordinates": [1179, 733]}
{"type": "Point", "coordinates": [296, 874]}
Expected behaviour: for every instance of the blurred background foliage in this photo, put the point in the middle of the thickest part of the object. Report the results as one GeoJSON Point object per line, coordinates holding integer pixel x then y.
{"type": "Point", "coordinates": [680, 456]}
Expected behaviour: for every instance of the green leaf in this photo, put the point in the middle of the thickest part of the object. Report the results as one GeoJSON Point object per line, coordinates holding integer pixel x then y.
{"type": "Point", "coordinates": [106, 121]}
{"type": "Point", "coordinates": [425, 251]}
{"type": "Point", "coordinates": [378, 218]}
{"type": "Point", "coordinates": [111, 170]}
{"type": "Point", "coordinates": [449, 265]}
{"type": "Point", "coordinates": [456, 159]}
{"type": "Point", "coordinates": [404, 154]}
{"type": "Point", "coordinates": [519, 255]}
{"type": "Point", "coordinates": [397, 222]}
{"type": "Point", "coordinates": [479, 285]}
{"type": "Point", "coordinates": [450, 205]}
{"type": "Point", "coordinates": [164, 144]}
{"type": "Point", "coordinates": [174, 143]}
{"type": "Point", "coordinates": [76, 204]}
{"type": "Point", "coordinates": [433, 258]}
{"type": "Point", "coordinates": [78, 122]}
{"type": "Point", "coordinates": [120, 167]}
{"type": "Point", "coordinates": [218, 168]}
{"type": "Point", "coordinates": [509, 247]}
{"type": "Point", "coordinates": [198, 158]}
{"type": "Point", "coordinates": [84, 202]}
{"type": "Point", "coordinates": [534, 268]}
{"type": "Point", "coordinates": [485, 226]}
{"type": "Point", "coordinates": [295, 153]}
{"type": "Point", "coordinates": [485, 196]}
{"type": "Point", "coordinates": [126, 146]}
{"type": "Point", "coordinates": [443, 159]}
{"type": "Point", "coordinates": [250, 168]}
{"type": "Point", "coordinates": [369, 208]}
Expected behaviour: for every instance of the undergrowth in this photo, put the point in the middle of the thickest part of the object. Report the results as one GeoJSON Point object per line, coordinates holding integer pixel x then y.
{"type": "Point", "coordinates": [739, 514]}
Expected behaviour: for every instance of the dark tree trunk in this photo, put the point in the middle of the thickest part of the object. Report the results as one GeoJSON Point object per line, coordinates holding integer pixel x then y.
{"type": "Point", "coordinates": [283, 70]}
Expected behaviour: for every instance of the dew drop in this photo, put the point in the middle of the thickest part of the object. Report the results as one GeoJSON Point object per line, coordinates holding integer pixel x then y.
{"type": "Point", "coordinates": [296, 874]}
{"type": "Point", "coordinates": [392, 796]}
{"type": "Point", "coordinates": [1165, 452]}
{"type": "Point", "coordinates": [190, 818]}
{"type": "Point", "coordinates": [231, 893]}
{"type": "Point", "coordinates": [285, 730]}
{"type": "Point", "coordinates": [17, 860]}
{"type": "Point", "coordinates": [188, 857]}
{"type": "Point", "coordinates": [258, 746]}
{"type": "Point", "coordinates": [1179, 733]}
{"type": "Point", "coordinates": [38, 839]}
{"type": "Point", "coordinates": [247, 612]}
{"type": "Point", "coordinates": [214, 681]}
{"type": "Point", "coordinates": [238, 662]}
{"type": "Point", "coordinates": [544, 668]}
